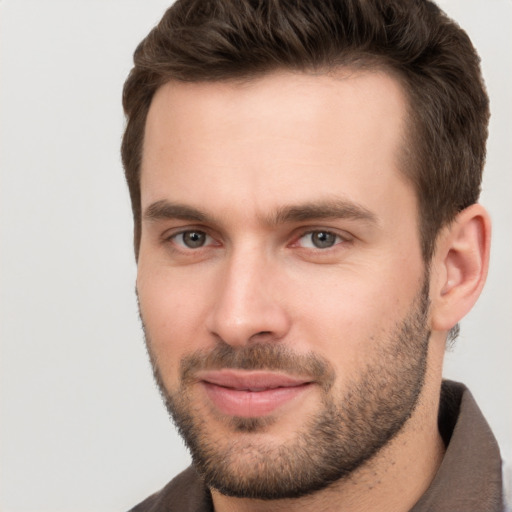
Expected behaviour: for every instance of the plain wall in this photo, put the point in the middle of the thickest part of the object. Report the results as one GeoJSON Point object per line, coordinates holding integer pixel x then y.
{"type": "Point", "coordinates": [82, 426]}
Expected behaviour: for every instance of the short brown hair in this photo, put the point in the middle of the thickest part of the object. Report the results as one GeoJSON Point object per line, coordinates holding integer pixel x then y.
{"type": "Point", "coordinates": [214, 40]}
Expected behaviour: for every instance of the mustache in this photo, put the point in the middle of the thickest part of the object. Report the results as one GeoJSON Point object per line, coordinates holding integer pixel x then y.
{"type": "Point", "coordinates": [258, 356]}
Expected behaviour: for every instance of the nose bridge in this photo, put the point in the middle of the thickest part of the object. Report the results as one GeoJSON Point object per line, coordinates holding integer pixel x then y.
{"type": "Point", "coordinates": [247, 306]}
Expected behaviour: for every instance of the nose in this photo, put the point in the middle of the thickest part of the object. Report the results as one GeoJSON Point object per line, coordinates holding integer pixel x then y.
{"type": "Point", "coordinates": [248, 304]}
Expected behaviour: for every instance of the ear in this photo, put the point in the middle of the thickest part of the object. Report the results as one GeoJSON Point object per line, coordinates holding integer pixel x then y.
{"type": "Point", "coordinates": [459, 267]}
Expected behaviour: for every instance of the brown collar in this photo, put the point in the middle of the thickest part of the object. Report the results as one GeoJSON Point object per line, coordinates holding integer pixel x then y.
{"type": "Point", "coordinates": [469, 478]}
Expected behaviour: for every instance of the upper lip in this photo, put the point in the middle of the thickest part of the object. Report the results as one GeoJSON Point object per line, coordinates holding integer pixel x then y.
{"type": "Point", "coordinates": [250, 380]}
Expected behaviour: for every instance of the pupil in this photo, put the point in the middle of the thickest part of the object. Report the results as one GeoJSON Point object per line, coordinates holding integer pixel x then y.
{"type": "Point", "coordinates": [323, 239]}
{"type": "Point", "coordinates": [194, 239]}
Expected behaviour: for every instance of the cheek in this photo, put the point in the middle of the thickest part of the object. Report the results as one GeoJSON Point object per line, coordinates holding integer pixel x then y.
{"type": "Point", "coordinates": [345, 319]}
{"type": "Point", "coordinates": [172, 311]}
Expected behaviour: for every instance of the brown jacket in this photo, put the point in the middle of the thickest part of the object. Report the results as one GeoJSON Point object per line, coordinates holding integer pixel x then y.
{"type": "Point", "coordinates": [468, 480]}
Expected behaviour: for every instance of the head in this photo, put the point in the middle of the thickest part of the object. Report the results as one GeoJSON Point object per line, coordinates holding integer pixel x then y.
{"type": "Point", "coordinates": [293, 167]}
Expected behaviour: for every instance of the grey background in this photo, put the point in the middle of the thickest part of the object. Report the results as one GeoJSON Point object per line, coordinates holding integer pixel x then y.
{"type": "Point", "coordinates": [82, 427]}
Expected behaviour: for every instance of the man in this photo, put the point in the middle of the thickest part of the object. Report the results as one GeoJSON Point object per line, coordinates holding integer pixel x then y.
{"type": "Point", "coordinates": [304, 179]}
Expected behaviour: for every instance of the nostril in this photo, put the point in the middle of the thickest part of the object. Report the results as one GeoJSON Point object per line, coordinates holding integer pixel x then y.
{"type": "Point", "coordinates": [263, 335]}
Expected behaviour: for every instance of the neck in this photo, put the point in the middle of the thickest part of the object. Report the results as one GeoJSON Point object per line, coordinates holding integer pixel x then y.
{"type": "Point", "coordinates": [393, 480]}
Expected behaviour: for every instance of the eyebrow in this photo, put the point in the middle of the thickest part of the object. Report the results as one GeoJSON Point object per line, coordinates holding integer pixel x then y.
{"type": "Point", "coordinates": [328, 209]}
{"type": "Point", "coordinates": [325, 209]}
{"type": "Point", "coordinates": [165, 210]}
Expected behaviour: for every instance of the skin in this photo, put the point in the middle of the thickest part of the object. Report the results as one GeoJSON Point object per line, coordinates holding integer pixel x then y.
{"type": "Point", "coordinates": [240, 153]}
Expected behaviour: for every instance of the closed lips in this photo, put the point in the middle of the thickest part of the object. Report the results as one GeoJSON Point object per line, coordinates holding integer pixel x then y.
{"type": "Point", "coordinates": [250, 394]}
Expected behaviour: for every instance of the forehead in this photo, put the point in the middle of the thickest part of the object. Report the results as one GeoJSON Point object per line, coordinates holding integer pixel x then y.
{"type": "Point", "coordinates": [281, 137]}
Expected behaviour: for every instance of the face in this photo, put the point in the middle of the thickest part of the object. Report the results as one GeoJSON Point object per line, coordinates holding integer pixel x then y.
{"type": "Point", "coordinates": [280, 278]}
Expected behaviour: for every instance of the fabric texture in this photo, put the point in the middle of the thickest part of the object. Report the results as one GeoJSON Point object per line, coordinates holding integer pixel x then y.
{"type": "Point", "coordinates": [468, 479]}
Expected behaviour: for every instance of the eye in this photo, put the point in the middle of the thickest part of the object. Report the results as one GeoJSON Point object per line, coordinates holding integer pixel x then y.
{"type": "Point", "coordinates": [319, 240]}
{"type": "Point", "coordinates": [193, 239]}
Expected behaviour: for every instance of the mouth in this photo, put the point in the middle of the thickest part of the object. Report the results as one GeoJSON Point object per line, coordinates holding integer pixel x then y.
{"type": "Point", "coordinates": [251, 394]}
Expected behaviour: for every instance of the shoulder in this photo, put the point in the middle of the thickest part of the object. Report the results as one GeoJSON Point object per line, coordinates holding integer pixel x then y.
{"type": "Point", "coordinates": [184, 493]}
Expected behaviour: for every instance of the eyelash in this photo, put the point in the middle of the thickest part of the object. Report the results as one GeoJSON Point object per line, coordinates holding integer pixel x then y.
{"type": "Point", "coordinates": [338, 240]}
{"type": "Point", "coordinates": [335, 239]}
{"type": "Point", "coordinates": [172, 238]}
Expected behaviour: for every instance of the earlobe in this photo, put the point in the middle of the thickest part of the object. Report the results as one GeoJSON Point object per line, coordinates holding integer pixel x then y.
{"type": "Point", "coordinates": [460, 266]}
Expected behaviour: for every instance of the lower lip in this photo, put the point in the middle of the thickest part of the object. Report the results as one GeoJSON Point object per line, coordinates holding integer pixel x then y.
{"type": "Point", "coordinates": [251, 404]}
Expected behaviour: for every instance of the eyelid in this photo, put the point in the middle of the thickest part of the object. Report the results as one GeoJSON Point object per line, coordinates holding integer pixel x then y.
{"type": "Point", "coordinates": [343, 237]}
{"type": "Point", "coordinates": [170, 235]}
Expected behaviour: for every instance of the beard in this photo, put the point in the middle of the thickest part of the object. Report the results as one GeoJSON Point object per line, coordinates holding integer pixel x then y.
{"type": "Point", "coordinates": [351, 426]}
